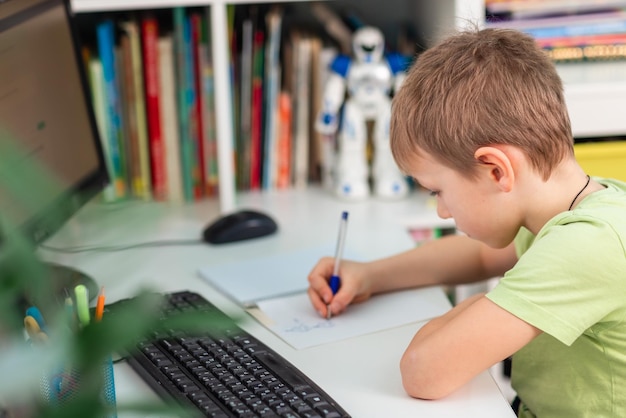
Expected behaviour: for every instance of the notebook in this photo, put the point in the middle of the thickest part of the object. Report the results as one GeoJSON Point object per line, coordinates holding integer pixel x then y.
{"type": "Point", "coordinates": [273, 290]}
{"type": "Point", "coordinates": [254, 279]}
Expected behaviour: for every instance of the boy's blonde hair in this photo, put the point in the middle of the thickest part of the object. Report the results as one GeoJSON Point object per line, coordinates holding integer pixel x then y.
{"type": "Point", "coordinates": [480, 88]}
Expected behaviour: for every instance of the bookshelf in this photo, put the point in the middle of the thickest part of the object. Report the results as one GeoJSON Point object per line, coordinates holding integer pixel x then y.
{"type": "Point", "coordinates": [595, 92]}
{"type": "Point", "coordinates": [223, 105]}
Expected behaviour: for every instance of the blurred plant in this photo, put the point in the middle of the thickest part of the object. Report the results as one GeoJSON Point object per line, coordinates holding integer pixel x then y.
{"type": "Point", "coordinates": [24, 280]}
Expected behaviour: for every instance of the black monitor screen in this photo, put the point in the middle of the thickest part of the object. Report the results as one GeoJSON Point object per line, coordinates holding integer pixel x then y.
{"type": "Point", "coordinates": [46, 115]}
{"type": "Point", "coordinates": [44, 108]}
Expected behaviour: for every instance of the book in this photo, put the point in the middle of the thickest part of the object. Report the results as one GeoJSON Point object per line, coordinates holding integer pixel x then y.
{"type": "Point", "coordinates": [207, 114]}
{"type": "Point", "coordinates": [272, 83]}
{"type": "Point", "coordinates": [245, 104]}
{"type": "Point", "coordinates": [197, 49]}
{"type": "Point", "coordinates": [96, 82]}
{"type": "Point", "coordinates": [280, 302]}
{"type": "Point", "coordinates": [128, 141]}
{"type": "Point", "coordinates": [150, 35]}
{"type": "Point", "coordinates": [284, 142]}
{"type": "Point", "coordinates": [568, 25]}
{"type": "Point", "coordinates": [106, 37]}
{"type": "Point", "coordinates": [599, 47]}
{"type": "Point", "coordinates": [235, 22]}
{"type": "Point", "coordinates": [256, 116]}
{"type": "Point", "coordinates": [210, 174]}
{"type": "Point", "coordinates": [186, 99]}
{"type": "Point", "coordinates": [315, 138]}
{"type": "Point", "coordinates": [605, 52]}
{"type": "Point", "coordinates": [169, 119]}
{"type": "Point", "coordinates": [302, 111]}
{"type": "Point", "coordinates": [139, 165]}
{"type": "Point", "coordinates": [144, 188]}
{"type": "Point", "coordinates": [583, 40]}
{"type": "Point", "coordinates": [520, 9]}
{"type": "Point", "coordinates": [284, 274]}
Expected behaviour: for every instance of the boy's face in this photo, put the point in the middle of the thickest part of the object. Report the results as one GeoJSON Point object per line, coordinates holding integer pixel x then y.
{"type": "Point", "coordinates": [474, 204]}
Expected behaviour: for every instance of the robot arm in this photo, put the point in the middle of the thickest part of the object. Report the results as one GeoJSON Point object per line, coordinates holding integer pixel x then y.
{"type": "Point", "coordinates": [398, 65]}
{"type": "Point", "coordinates": [333, 97]}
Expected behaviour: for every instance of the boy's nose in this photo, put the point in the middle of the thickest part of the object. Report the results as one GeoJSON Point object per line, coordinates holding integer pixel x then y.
{"type": "Point", "coordinates": [442, 211]}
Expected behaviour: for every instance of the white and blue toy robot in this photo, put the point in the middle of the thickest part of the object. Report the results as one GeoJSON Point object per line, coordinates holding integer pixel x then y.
{"type": "Point", "coordinates": [369, 78]}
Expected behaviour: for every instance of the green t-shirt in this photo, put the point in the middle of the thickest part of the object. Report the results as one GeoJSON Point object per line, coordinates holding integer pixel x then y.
{"type": "Point", "coordinates": [570, 282]}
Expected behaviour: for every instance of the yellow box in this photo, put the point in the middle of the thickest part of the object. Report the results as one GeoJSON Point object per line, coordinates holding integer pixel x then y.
{"type": "Point", "coordinates": [604, 159]}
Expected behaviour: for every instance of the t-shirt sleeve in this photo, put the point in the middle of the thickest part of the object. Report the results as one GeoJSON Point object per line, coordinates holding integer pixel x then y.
{"type": "Point", "coordinates": [569, 278]}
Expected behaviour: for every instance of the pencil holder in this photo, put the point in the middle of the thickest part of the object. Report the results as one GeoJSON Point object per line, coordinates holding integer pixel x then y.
{"type": "Point", "coordinates": [61, 386]}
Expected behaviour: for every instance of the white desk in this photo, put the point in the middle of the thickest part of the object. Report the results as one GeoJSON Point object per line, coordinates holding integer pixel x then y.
{"type": "Point", "coordinates": [362, 373]}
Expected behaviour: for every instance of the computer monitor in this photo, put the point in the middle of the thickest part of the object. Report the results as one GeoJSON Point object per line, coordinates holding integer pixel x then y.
{"type": "Point", "coordinates": [46, 111]}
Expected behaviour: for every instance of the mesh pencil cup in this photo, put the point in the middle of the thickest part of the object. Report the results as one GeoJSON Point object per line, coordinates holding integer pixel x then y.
{"type": "Point", "coordinates": [61, 386]}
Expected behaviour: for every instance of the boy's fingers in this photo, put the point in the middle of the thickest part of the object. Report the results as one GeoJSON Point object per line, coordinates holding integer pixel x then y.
{"type": "Point", "coordinates": [340, 301]}
{"type": "Point", "coordinates": [318, 304]}
{"type": "Point", "coordinates": [322, 288]}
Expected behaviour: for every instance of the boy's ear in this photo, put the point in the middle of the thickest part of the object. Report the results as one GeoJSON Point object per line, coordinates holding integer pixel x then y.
{"type": "Point", "coordinates": [499, 165]}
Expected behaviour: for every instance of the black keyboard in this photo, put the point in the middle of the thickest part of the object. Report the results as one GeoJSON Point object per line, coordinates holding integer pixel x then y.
{"type": "Point", "coordinates": [226, 373]}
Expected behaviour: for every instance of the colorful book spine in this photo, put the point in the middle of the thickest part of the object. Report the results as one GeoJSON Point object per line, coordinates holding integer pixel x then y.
{"type": "Point", "coordinates": [211, 167]}
{"type": "Point", "coordinates": [182, 37]}
{"type": "Point", "coordinates": [96, 80]}
{"type": "Point", "coordinates": [315, 138]}
{"type": "Point", "coordinates": [195, 21]}
{"type": "Point", "coordinates": [606, 39]}
{"type": "Point", "coordinates": [131, 138]}
{"type": "Point", "coordinates": [587, 53]}
{"type": "Point", "coordinates": [245, 105]}
{"type": "Point", "coordinates": [272, 80]}
{"type": "Point", "coordinates": [578, 30]}
{"type": "Point", "coordinates": [284, 143]}
{"type": "Point", "coordinates": [150, 34]}
{"type": "Point", "coordinates": [143, 188]}
{"type": "Point", "coordinates": [210, 135]}
{"type": "Point", "coordinates": [302, 90]}
{"type": "Point", "coordinates": [105, 34]}
{"type": "Point", "coordinates": [169, 119]}
{"type": "Point", "coordinates": [565, 25]}
{"type": "Point", "coordinates": [256, 117]}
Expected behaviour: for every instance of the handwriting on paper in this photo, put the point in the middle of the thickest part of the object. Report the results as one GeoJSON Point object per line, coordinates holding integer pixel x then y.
{"type": "Point", "coordinates": [307, 326]}
{"type": "Point", "coordinates": [293, 318]}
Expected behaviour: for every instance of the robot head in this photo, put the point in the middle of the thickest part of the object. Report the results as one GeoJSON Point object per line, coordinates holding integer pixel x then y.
{"type": "Point", "coordinates": [368, 44]}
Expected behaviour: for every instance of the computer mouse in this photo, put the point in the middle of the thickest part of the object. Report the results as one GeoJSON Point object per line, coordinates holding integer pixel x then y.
{"type": "Point", "coordinates": [238, 226]}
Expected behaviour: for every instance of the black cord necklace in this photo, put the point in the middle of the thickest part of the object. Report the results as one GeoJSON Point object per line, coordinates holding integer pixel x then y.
{"type": "Point", "coordinates": [578, 194]}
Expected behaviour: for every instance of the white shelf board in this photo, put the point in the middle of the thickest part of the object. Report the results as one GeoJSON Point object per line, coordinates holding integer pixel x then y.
{"type": "Point", "coordinates": [80, 6]}
{"type": "Point", "coordinates": [595, 93]}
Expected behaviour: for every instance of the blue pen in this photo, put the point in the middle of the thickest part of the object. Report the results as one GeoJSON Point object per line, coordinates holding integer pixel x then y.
{"type": "Point", "coordinates": [335, 281]}
{"type": "Point", "coordinates": [37, 316]}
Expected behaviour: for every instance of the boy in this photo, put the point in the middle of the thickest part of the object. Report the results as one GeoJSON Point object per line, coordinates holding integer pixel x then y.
{"type": "Point", "coordinates": [481, 121]}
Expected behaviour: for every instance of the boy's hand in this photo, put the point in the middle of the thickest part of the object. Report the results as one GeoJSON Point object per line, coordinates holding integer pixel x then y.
{"type": "Point", "coordinates": [352, 290]}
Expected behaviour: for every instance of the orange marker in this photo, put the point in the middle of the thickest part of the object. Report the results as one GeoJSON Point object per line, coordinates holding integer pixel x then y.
{"type": "Point", "coordinates": [34, 332]}
{"type": "Point", "coordinates": [100, 305]}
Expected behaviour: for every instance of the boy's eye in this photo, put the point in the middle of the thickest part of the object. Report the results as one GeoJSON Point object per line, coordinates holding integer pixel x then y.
{"type": "Point", "coordinates": [434, 193]}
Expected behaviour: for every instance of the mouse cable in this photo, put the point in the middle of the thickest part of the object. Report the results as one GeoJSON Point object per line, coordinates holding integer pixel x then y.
{"type": "Point", "coordinates": [113, 248]}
